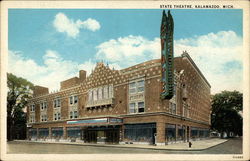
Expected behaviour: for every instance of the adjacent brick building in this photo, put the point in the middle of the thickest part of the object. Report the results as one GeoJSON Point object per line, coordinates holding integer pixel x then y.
{"type": "Point", "coordinates": [124, 106]}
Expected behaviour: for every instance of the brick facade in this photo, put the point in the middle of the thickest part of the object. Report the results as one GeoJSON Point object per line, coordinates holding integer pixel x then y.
{"type": "Point", "coordinates": [190, 107]}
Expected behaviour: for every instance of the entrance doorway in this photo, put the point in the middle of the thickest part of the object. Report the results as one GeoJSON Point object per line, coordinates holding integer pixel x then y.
{"type": "Point", "coordinates": [112, 136]}
{"type": "Point", "coordinates": [108, 135]}
{"type": "Point", "coordinates": [90, 136]}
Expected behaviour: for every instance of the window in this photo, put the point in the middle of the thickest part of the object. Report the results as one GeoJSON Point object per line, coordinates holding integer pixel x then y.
{"type": "Point", "coordinates": [90, 95]}
{"type": "Point", "coordinates": [43, 105]}
{"type": "Point", "coordinates": [43, 118]}
{"type": "Point", "coordinates": [105, 92]}
{"type": "Point", "coordinates": [95, 94]}
{"type": "Point", "coordinates": [140, 86]}
{"type": "Point", "coordinates": [32, 108]}
{"type": "Point", "coordinates": [140, 106]}
{"type": "Point", "coordinates": [32, 118]}
{"type": "Point", "coordinates": [99, 93]}
{"type": "Point", "coordinates": [57, 102]}
{"type": "Point", "coordinates": [132, 108]}
{"type": "Point", "coordinates": [73, 100]}
{"type": "Point", "coordinates": [75, 114]}
{"type": "Point", "coordinates": [110, 91]}
{"type": "Point", "coordinates": [172, 108]}
{"type": "Point", "coordinates": [132, 88]}
{"type": "Point", "coordinates": [58, 116]}
{"type": "Point", "coordinates": [135, 87]}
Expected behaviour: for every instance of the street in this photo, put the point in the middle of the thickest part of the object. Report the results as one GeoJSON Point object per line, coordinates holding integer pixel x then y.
{"type": "Point", "coordinates": [232, 146]}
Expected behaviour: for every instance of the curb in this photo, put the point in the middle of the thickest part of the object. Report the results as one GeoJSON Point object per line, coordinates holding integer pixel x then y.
{"type": "Point", "coordinates": [115, 146]}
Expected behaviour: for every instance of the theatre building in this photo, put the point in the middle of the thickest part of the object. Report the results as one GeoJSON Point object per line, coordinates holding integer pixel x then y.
{"type": "Point", "coordinates": [124, 106]}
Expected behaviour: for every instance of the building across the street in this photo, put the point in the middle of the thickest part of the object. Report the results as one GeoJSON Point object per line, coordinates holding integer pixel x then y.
{"type": "Point", "coordinates": [125, 106]}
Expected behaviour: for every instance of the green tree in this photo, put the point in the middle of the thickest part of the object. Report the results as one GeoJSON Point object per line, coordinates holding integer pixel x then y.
{"type": "Point", "coordinates": [19, 91]}
{"type": "Point", "coordinates": [225, 115]}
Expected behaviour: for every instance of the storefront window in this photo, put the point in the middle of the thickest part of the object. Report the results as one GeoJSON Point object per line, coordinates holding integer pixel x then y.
{"type": "Point", "coordinates": [180, 135]}
{"type": "Point", "coordinates": [170, 132]}
{"type": "Point", "coordinates": [73, 132]}
{"type": "Point", "coordinates": [140, 132]}
{"type": "Point", "coordinates": [43, 133]}
{"type": "Point", "coordinates": [57, 132]}
{"type": "Point", "coordinates": [194, 132]}
{"type": "Point", "coordinates": [32, 133]}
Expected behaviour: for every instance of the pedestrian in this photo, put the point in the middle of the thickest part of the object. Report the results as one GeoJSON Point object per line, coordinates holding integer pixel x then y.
{"type": "Point", "coordinates": [190, 144]}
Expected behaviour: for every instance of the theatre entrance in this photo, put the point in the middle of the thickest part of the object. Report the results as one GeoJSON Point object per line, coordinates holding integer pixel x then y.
{"type": "Point", "coordinates": [102, 135]}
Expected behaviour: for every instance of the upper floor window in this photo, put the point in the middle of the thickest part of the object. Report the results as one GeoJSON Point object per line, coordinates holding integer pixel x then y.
{"type": "Point", "coordinates": [57, 116]}
{"type": "Point", "coordinates": [32, 118]}
{"type": "Point", "coordinates": [73, 100]}
{"type": "Point", "coordinates": [43, 118]}
{"type": "Point", "coordinates": [32, 107]}
{"type": "Point", "coordinates": [43, 105]}
{"type": "Point", "coordinates": [132, 87]}
{"type": "Point", "coordinates": [132, 108]}
{"type": "Point", "coordinates": [105, 92]}
{"type": "Point", "coordinates": [136, 87]}
{"type": "Point", "coordinates": [73, 114]}
{"type": "Point", "coordinates": [57, 102]}
{"type": "Point", "coordinates": [140, 106]}
{"type": "Point", "coordinates": [136, 107]}
{"type": "Point", "coordinates": [100, 93]}
{"type": "Point", "coordinates": [172, 107]}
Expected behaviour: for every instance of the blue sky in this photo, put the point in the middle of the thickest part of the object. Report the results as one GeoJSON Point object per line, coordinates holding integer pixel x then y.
{"type": "Point", "coordinates": [48, 39]}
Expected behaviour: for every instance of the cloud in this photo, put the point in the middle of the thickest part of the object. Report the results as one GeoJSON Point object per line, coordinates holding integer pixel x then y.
{"type": "Point", "coordinates": [219, 57]}
{"type": "Point", "coordinates": [54, 70]}
{"type": "Point", "coordinates": [129, 50]}
{"type": "Point", "coordinates": [72, 28]}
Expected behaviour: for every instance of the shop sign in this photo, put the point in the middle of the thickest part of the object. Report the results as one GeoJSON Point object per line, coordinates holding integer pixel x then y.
{"type": "Point", "coordinates": [115, 120]}
{"type": "Point", "coordinates": [90, 121]}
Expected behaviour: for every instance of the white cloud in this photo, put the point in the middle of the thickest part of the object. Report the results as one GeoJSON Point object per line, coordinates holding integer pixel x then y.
{"type": "Point", "coordinates": [72, 28]}
{"type": "Point", "coordinates": [54, 70]}
{"type": "Point", "coordinates": [210, 52]}
{"type": "Point", "coordinates": [216, 55]}
{"type": "Point", "coordinates": [126, 51]}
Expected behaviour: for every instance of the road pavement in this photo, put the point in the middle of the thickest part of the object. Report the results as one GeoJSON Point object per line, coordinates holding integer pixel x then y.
{"type": "Point", "coordinates": [232, 146]}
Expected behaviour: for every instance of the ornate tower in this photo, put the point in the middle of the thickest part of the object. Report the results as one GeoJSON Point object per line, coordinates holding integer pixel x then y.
{"type": "Point", "coordinates": [167, 55]}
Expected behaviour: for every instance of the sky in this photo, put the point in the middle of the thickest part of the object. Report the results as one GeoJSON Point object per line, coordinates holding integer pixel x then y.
{"type": "Point", "coordinates": [47, 46]}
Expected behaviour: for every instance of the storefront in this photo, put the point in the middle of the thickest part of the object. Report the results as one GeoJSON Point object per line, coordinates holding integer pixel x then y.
{"type": "Point", "coordinates": [32, 134]}
{"type": "Point", "coordinates": [170, 133]}
{"type": "Point", "coordinates": [140, 133]}
{"type": "Point", "coordinates": [57, 133]}
{"type": "Point", "coordinates": [43, 133]}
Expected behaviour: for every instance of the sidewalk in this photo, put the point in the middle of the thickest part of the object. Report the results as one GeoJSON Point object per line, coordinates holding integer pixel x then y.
{"type": "Point", "coordinates": [196, 145]}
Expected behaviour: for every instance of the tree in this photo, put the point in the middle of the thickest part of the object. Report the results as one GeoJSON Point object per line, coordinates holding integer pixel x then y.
{"type": "Point", "coordinates": [19, 91]}
{"type": "Point", "coordinates": [225, 115]}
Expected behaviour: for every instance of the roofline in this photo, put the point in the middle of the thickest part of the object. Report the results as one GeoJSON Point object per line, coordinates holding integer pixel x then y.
{"type": "Point", "coordinates": [185, 54]}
